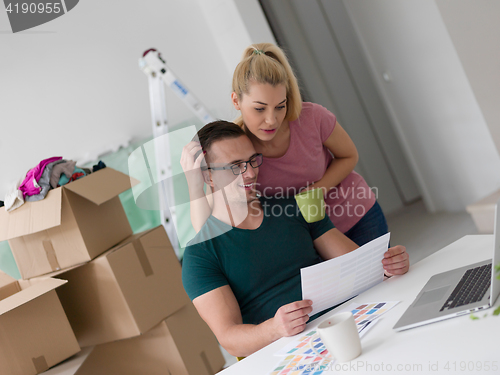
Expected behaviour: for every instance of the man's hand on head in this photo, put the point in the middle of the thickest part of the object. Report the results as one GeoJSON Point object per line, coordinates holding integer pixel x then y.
{"type": "Point", "coordinates": [292, 318]}
{"type": "Point", "coordinates": [396, 261]}
{"type": "Point", "coordinates": [191, 158]}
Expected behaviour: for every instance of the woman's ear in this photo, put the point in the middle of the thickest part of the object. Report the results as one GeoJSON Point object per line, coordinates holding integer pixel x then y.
{"type": "Point", "coordinates": [235, 100]}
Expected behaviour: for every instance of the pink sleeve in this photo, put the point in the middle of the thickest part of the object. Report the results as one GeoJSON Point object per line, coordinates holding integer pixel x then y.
{"type": "Point", "coordinates": [326, 121]}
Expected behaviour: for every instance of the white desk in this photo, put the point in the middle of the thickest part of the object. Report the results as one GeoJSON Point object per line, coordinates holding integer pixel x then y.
{"type": "Point", "coordinates": [439, 348]}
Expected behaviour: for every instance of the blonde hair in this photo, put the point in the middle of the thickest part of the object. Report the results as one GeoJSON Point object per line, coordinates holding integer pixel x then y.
{"type": "Point", "coordinates": [267, 63]}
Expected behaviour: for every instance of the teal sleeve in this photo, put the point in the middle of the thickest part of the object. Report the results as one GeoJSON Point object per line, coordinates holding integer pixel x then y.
{"type": "Point", "coordinates": [201, 272]}
{"type": "Point", "coordinates": [318, 228]}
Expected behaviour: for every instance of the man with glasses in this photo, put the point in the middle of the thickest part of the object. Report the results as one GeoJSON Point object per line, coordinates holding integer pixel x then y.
{"type": "Point", "coordinates": [242, 270]}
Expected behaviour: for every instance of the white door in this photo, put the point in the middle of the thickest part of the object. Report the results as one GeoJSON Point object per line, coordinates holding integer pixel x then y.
{"type": "Point", "coordinates": [321, 43]}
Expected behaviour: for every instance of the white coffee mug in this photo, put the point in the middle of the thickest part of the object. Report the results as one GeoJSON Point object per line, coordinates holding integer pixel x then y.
{"type": "Point", "coordinates": [340, 336]}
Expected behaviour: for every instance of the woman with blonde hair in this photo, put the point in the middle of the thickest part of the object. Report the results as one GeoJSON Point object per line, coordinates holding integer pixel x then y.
{"type": "Point", "coordinates": [303, 145]}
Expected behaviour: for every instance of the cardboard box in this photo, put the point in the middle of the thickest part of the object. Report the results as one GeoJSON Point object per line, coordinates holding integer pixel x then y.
{"type": "Point", "coordinates": [125, 291]}
{"type": "Point", "coordinates": [34, 331]}
{"type": "Point", "coordinates": [72, 225]}
{"type": "Point", "coordinates": [181, 345]}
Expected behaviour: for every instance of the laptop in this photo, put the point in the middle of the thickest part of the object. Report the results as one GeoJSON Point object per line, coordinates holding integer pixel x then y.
{"type": "Point", "coordinates": [457, 292]}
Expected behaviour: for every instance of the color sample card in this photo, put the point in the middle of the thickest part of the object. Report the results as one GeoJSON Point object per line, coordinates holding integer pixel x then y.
{"type": "Point", "coordinates": [306, 345]}
{"type": "Point", "coordinates": [365, 313]}
{"type": "Point", "coordinates": [307, 355]}
{"type": "Point", "coordinates": [299, 346]}
{"type": "Point", "coordinates": [301, 365]}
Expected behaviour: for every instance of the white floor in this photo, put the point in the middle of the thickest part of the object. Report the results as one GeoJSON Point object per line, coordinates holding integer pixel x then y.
{"type": "Point", "coordinates": [421, 232]}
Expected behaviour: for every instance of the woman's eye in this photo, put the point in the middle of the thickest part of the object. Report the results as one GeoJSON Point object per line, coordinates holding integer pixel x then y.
{"type": "Point", "coordinates": [259, 109]}
{"type": "Point", "coordinates": [281, 107]}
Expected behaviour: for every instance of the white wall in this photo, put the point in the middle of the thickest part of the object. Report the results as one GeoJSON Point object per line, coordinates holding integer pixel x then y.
{"type": "Point", "coordinates": [437, 116]}
{"type": "Point", "coordinates": [72, 87]}
{"type": "Point", "coordinates": [235, 24]}
{"type": "Point", "coordinates": [475, 31]}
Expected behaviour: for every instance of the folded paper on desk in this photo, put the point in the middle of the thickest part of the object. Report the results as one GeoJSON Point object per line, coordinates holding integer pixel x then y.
{"type": "Point", "coordinates": [336, 280]}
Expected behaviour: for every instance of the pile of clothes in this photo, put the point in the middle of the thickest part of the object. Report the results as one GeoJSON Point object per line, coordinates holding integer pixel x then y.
{"type": "Point", "coordinates": [48, 174]}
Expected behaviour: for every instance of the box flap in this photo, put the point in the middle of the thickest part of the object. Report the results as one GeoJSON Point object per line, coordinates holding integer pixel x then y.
{"type": "Point", "coordinates": [8, 286]}
{"type": "Point", "coordinates": [29, 294]}
{"type": "Point", "coordinates": [145, 354]}
{"type": "Point", "coordinates": [31, 217]}
{"type": "Point", "coordinates": [6, 279]}
{"type": "Point", "coordinates": [100, 186]}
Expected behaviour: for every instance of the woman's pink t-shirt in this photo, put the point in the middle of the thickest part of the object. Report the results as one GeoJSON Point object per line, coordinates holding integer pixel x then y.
{"type": "Point", "coordinates": [306, 161]}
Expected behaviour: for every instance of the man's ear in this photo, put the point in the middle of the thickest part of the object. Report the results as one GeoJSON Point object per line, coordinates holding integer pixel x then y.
{"type": "Point", "coordinates": [207, 177]}
{"type": "Point", "coordinates": [235, 100]}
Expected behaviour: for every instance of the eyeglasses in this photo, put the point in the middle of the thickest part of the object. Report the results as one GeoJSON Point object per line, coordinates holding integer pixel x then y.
{"type": "Point", "coordinates": [241, 167]}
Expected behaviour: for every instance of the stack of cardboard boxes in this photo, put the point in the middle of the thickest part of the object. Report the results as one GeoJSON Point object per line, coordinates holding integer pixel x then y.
{"type": "Point", "coordinates": [122, 294]}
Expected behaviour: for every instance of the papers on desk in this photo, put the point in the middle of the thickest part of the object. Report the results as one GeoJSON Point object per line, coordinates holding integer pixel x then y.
{"type": "Point", "coordinates": [336, 280]}
{"type": "Point", "coordinates": [298, 357]}
{"type": "Point", "coordinates": [364, 317]}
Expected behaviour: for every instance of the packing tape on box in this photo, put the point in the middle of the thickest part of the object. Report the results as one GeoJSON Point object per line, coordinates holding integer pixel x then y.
{"type": "Point", "coordinates": [40, 364]}
{"type": "Point", "coordinates": [51, 255]}
{"type": "Point", "coordinates": [204, 358]}
{"type": "Point", "coordinates": [143, 258]}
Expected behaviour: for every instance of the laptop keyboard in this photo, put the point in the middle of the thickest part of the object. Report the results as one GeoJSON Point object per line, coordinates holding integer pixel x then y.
{"type": "Point", "coordinates": [471, 288]}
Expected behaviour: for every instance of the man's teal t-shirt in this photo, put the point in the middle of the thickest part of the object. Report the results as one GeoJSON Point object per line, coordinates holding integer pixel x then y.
{"type": "Point", "coordinates": [262, 266]}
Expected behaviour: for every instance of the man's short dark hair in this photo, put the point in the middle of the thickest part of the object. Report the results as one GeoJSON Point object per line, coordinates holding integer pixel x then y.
{"type": "Point", "coordinates": [217, 131]}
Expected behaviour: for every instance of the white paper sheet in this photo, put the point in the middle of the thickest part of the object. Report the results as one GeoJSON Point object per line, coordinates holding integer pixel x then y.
{"type": "Point", "coordinates": [336, 280]}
